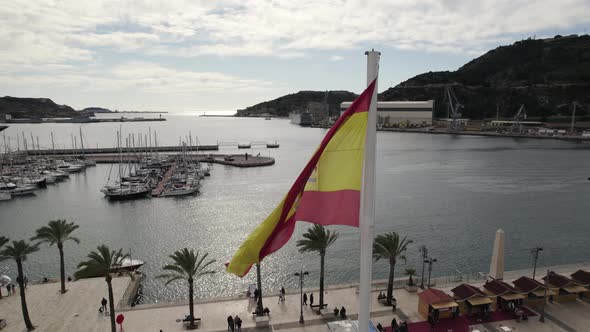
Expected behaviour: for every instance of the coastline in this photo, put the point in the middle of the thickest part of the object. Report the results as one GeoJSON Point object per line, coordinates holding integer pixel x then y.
{"type": "Point", "coordinates": [486, 134]}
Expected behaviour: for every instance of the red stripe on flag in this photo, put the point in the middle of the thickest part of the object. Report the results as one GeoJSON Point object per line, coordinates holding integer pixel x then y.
{"type": "Point", "coordinates": [330, 207]}
{"type": "Point", "coordinates": [282, 233]}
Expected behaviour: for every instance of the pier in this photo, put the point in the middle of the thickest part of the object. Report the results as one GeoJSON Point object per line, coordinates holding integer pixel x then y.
{"type": "Point", "coordinates": [236, 160]}
{"type": "Point", "coordinates": [160, 187]}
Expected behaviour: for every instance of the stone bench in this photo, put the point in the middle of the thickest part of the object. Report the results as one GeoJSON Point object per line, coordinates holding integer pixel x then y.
{"type": "Point", "coordinates": [262, 320]}
{"type": "Point", "coordinates": [325, 313]}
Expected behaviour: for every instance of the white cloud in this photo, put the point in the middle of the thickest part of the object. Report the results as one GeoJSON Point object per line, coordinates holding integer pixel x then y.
{"type": "Point", "coordinates": [72, 29]}
{"type": "Point", "coordinates": [138, 77]}
{"type": "Point", "coordinates": [336, 58]}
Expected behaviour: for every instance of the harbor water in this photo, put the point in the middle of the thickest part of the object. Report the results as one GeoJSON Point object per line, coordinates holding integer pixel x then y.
{"type": "Point", "coordinates": [450, 193]}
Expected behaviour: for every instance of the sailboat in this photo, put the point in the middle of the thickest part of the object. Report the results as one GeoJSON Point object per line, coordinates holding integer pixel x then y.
{"type": "Point", "coordinates": [125, 190]}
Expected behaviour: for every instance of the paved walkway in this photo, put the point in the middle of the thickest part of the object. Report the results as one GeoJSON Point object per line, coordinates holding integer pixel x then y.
{"type": "Point", "coordinates": [76, 310]}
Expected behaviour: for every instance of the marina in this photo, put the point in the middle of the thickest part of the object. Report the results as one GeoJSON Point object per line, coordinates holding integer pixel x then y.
{"type": "Point", "coordinates": [475, 184]}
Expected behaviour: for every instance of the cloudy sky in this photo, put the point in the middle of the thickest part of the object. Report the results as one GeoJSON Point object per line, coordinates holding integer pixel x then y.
{"type": "Point", "coordinates": [190, 56]}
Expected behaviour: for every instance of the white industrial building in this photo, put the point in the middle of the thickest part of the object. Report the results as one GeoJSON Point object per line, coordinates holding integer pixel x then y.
{"type": "Point", "coordinates": [401, 112]}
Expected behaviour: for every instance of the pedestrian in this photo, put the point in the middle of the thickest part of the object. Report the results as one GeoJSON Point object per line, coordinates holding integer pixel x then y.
{"type": "Point", "coordinates": [379, 327]}
{"type": "Point", "coordinates": [304, 298]}
{"type": "Point", "coordinates": [13, 289]}
{"type": "Point", "coordinates": [25, 281]}
{"type": "Point", "coordinates": [103, 305]}
{"type": "Point", "coordinates": [394, 325]}
{"type": "Point", "coordinates": [230, 323]}
{"type": "Point", "coordinates": [394, 303]}
{"type": "Point", "coordinates": [311, 299]}
{"type": "Point", "coordinates": [256, 295]}
{"type": "Point", "coordinates": [343, 312]}
{"type": "Point", "coordinates": [238, 323]}
{"type": "Point", "coordinates": [336, 311]}
{"type": "Point", "coordinates": [69, 278]}
{"type": "Point", "coordinates": [8, 288]}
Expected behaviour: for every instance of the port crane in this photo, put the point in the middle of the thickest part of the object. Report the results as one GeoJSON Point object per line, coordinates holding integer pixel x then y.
{"type": "Point", "coordinates": [453, 108]}
{"type": "Point", "coordinates": [516, 121]}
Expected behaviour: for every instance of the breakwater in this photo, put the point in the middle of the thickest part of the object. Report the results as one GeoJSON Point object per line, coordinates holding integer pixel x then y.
{"type": "Point", "coordinates": [237, 160]}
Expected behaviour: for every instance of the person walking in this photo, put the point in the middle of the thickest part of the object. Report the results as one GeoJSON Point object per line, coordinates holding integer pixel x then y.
{"type": "Point", "coordinates": [304, 298]}
{"type": "Point", "coordinates": [311, 299]}
{"type": "Point", "coordinates": [8, 289]}
{"type": "Point", "coordinates": [13, 289]}
{"type": "Point", "coordinates": [230, 323]}
{"type": "Point", "coordinates": [103, 305]}
{"type": "Point", "coordinates": [238, 323]}
{"type": "Point", "coordinates": [26, 282]}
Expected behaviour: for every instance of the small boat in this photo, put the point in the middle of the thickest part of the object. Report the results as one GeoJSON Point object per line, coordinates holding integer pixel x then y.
{"type": "Point", "coordinates": [128, 265]}
{"type": "Point", "coordinates": [23, 190]}
{"type": "Point", "coordinates": [121, 193]}
{"type": "Point", "coordinates": [229, 157]}
{"type": "Point", "coordinates": [243, 146]}
{"type": "Point", "coordinates": [204, 170]}
{"type": "Point", "coordinates": [272, 145]}
{"type": "Point", "coordinates": [180, 191]}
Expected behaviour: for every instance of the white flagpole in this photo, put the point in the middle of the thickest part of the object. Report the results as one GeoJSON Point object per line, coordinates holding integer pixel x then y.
{"type": "Point", "coordinates": [367, 209]}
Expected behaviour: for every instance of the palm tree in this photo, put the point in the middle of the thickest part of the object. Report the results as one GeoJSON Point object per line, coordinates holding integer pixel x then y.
{"type": "Point", "coordinates": [19, 250]}
{"type": "Point", "coordinates": [388, 246]}
{"type": "Point", "coordinates": [190, 267]}
{"type": "Point", "coordinates": [57, 232]}
{"type": "Point", "coordinates": [410, 273]}
{"type": "Point", "coordinates": [100, 264]}
{"type": "Point", "coordinates": [318, 239]}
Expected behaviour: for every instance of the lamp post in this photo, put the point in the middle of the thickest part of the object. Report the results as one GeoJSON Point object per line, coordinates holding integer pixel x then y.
{"type": "Point", "coordinates": [424, 252]}
{"type": "Point", "coordinates": [301, 276]}
{"type": "Point", "coordinates": [535, 252]}
{"type": "Point", "coordinates": [429, 261]}
{"type": "Point", "coordinates": [259, 305]}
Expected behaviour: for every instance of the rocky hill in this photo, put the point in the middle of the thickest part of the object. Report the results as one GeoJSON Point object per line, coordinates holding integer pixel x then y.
{"type": "Point", "coordinates": [546, 75]}
{"type": "Point", "coordinates": [311, 101]}
{"type": "Point", "coordinates": [34, 108]}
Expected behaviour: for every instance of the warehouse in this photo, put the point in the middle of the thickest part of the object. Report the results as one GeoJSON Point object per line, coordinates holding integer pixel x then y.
{"type": "Point", "coordinates": [402, 112]}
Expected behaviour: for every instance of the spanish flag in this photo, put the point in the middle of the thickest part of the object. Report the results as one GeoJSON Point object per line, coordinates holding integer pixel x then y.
{"type": "Point", "coordinates": [327, 192]}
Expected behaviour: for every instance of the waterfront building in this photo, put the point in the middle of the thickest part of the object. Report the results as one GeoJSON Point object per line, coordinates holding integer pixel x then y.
{"type": "Point", "coordinates": [416, 113]}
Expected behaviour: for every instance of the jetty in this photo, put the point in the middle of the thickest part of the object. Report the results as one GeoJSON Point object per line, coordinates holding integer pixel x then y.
{"type": "Point", "coordinates": [237, 160]}
{"type": "Point", "coordinates": [160, 187]}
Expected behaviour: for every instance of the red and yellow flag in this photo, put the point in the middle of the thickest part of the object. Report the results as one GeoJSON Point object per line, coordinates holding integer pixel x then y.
{"type": "Point", "coordinates": [327, 192]}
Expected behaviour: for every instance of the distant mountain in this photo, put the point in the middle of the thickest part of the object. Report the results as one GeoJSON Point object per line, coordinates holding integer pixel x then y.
{"type": "Point", "coordinates": [311, 101]}
{"type": "Point", "coordinates": [95, 110]}
{"type": "Point", "coordinates": [34, 108]}
{"type": "Point", "coordinates": [546, 75]}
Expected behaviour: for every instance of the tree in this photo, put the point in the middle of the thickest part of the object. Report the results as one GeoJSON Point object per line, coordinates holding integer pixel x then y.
{"type": "Point", "coordinates": [318, 239]}
{"type": "Point", "coordinates": [100, 264]}
{"type": "Point", "coordinates": [190, 267]}
{"type": "Point", "coordinates": [389, 246]}
{"type": "Point", "coordinates": [19, 250]}
{"type": "Point", "coordinates": [410, 273]}
{"type": "Point", "coordinates": [57, 232]}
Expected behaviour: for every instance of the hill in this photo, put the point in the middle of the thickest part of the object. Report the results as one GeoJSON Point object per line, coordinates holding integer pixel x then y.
{"type": "Point", "coordinates": [34, 108]}
{"type": "Point", "coordinates": [95, 110]}
{"type": "Point", "coordinates": [546, 75]}
{"type": "Point", "coordinates": [311, 101]}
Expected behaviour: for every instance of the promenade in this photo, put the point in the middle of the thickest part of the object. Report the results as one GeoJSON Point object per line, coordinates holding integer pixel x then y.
{"type": "Point", "coordinates": [77, 310]}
